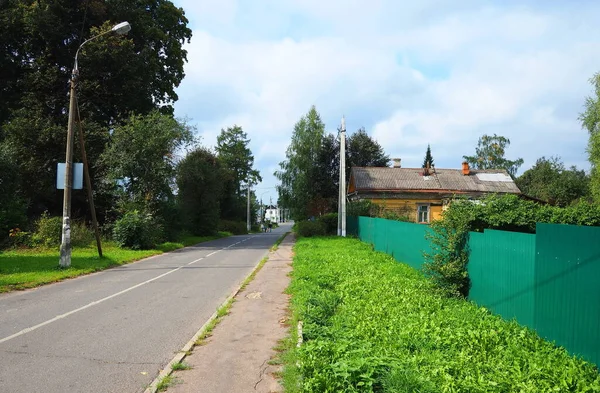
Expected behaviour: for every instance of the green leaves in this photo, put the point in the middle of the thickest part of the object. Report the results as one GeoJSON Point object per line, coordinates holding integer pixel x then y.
{"type": "Point", "coordinates": [374, 325]}
{"type": "Point", "coordinates": [489, 154]}
{"type": "Point", "coordinates": [447, 264]}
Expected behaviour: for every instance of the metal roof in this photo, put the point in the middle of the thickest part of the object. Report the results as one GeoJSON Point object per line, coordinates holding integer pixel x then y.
{"type": "Point", "coordinates": [412, 179]}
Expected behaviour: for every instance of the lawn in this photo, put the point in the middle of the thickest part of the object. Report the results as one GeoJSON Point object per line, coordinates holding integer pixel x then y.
{"type": "Point", "coordinates": [371, 324]}
{"type": "Point", "coordinates": [21, 269]}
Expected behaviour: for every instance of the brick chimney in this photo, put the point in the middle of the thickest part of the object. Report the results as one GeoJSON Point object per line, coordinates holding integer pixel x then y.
{"type": "Point", "coordinates": [466, 171]}
{"type": "Point", "coordinates": [397, 162]}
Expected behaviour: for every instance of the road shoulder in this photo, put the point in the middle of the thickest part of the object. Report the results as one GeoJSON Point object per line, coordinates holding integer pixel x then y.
{"type": "Point", "coordinates": [235, 358]}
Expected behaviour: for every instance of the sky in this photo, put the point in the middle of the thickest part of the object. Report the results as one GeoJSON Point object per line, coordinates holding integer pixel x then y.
{"type": "Point", "coordinates": [412, 73]}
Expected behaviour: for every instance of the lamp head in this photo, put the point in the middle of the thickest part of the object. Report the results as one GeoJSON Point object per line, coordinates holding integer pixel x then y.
{"type": "Point", "coordinates": [121, 28]}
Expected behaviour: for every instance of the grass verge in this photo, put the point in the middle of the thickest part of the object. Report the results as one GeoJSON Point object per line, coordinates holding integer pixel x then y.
{"type": "Point", "coordinates": [374, 325]}
{"type": "Point", "coordinates": [22, 269]}
{"type": "Point", "coordinates": [278, 242]}
{"type": "Point", "coordinates": [221, 313]}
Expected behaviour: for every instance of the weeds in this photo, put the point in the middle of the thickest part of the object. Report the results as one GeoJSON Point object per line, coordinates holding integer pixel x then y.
{"type": "Point", "coordinates": [180, 366]}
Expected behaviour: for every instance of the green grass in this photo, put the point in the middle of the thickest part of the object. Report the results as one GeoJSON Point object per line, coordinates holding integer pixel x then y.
{"type": "Point", "coordinates": [221, 313]}
{"type": "Point", "coordinates": [22, 269]}
{"type": "Point", "coordinates": [374, 325]}
{"type": "Point", "coordinates": [165, 383]}
{"type": "Point", "coordinates": [180, 366]}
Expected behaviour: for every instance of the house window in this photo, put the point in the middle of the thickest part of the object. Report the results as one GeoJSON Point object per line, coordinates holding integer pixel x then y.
{"type": "Point", "coordinates": [423, 214]}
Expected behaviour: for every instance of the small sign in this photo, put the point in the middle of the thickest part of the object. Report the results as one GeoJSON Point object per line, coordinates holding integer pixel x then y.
{"type": "Point", "coordinates": [77, 176]}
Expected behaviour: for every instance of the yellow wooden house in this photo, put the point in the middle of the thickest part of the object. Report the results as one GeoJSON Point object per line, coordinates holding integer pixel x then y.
{"type": "Point", "coordinates": [422, 193]}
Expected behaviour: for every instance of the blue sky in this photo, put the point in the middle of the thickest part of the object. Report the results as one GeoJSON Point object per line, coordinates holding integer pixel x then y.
{"type": "Point", "coordinates": [412, 73]}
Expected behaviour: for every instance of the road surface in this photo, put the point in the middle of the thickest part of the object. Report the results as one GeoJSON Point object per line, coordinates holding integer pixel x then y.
{"type": "Point", "coordinates": [114, 330]}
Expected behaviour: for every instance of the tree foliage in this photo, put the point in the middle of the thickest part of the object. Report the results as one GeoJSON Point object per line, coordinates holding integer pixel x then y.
{"type": "Point", "coordinates": [237, 162]}
{"type": "Point", "coordinates": [310, 174]}
{"type": "Point", "coordinates": [119, 75]}
{"type": "Point", "coordinates": [141, 159]}
{"type": "Point", "coordinates": [199, 184]}
{"type": "Point", "coordinates": [364, 151]}
{"type": "Point", "coordinates": [428, 158]}
{"type": "Point", "coordinates": [590, 120]}
{"type": "Point", "coordinates": [550, 181]}
{"type": "Point", "coordinates": [489, 154]}
{"type": "Point", "coordinates": [298, 172]}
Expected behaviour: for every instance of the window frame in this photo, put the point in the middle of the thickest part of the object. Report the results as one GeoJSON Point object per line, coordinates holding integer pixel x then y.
{"type": "Point", "coordinates": [428, 212]}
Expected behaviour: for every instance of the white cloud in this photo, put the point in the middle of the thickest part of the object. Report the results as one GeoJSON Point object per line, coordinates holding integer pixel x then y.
{"type": "Point", "coordinates": [412, 74]}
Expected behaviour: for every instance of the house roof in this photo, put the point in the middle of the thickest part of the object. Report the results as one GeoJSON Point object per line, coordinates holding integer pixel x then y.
{"type": "Point", "coordinates": [412, 179]}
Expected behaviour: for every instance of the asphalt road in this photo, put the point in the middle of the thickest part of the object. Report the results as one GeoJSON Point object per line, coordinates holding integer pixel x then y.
{"type": "Point", "coordinates": [113, 331]}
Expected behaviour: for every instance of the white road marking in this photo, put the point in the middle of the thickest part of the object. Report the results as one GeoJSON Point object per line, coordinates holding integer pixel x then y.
{"type": "Point", "coordinates": [62, 316]}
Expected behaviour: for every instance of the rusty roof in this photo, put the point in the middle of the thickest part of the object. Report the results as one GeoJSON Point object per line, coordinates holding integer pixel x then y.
{"type": "Point", "coordinates": [412, 179]}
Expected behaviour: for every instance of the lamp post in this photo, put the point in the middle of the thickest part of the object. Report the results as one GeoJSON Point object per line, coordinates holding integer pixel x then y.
{"type": "Point", "coordinates": [65, 246]}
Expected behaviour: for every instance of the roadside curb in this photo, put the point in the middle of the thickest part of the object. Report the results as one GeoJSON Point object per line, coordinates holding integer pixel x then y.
{"type": "Point", "coordinates": [181, 355]}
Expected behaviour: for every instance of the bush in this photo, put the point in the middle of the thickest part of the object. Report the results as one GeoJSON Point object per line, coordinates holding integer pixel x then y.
{"type": "Point", "coordinates": [447, 264]}
{"type": "Point", "coordinates": [48, 231]}
{"type": "Point", "coordinates": [234, 227]}
{"type": "Point", "coordinates": [330, 221]}
{"type": "Point", "coordinates": [18, 238]}
{"type": "Point", "coordinates": [81, 234]}
{"type": "Point", "coordinates": [138, 231]}
{"type": "Point", "coordinates": [310, 228]}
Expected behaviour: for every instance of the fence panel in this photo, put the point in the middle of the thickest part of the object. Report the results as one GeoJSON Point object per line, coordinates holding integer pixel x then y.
{"type": "Point", "coordinates": [501, 268]}
{"type": "Point", "coordinates": [568, 287]}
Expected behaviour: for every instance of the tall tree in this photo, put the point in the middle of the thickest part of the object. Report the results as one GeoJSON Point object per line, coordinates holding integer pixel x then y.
{"type": "Point", "coordinates": [550, 181]}
{"type": "Point", "coordinates": [297, 172]}
{"type": "Point", "coordinates": [119, 76]}
{"type": "Point", "coordinates": [136, 73]}
{"type": "Point", "coordinates": [590, 119]}
{"type": "Point", "coordinates": [238, 163]}
{"type": "Point", "coordinates": [428, 158]}
{"type": "Point", "coordinates": [489, 154]}
{"type": "Point", "coordinates": [365, 151]}
{"type": "Point", "coordinates": [141, 160]}
{"type": "Point", "coordinates": [199, 184]}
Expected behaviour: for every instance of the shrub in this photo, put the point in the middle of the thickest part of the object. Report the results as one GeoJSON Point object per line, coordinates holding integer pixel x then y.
{"type": "Point", "coordinates": [48, 231]}
{"type": "Point", "coordinates": [330, 221]}
{"type": "Point", "coordinates": [18, 238]}
{"type": "Point", "coordinates": [81, 234]}
{"type": "Point", "coordinates": [137, 230]}
{"type": "Point", "coordinates": [235, 227]}
{"type": "Point", "coordinates": [310, 228]}
{"type": "Point", "coordinates": [363, 207]}
{"type": "Point", "coordinates": [447, 264]}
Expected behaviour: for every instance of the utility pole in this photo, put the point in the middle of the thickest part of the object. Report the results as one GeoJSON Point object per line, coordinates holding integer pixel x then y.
{"type": "Point", "coordinates": [248, 209]}
{"type": "Point", "coordinates": [65, 245]}
{"type": "Point", "coordinates": [343, 176]}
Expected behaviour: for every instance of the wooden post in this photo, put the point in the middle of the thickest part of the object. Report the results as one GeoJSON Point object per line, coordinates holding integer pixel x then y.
{"type": "Point", "coordinates": [88, 184]}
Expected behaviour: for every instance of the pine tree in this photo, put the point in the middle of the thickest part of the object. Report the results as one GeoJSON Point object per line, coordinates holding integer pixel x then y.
{"type": "Point", "coordinates": [428, 158]}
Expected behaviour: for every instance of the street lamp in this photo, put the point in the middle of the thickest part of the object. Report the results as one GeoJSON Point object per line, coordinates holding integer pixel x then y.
{"type": "Point", "coordinates": [65, 246]}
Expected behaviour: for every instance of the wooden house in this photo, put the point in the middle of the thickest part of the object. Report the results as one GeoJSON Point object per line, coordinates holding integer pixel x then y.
{"type": "Point", "coordinates": [422, 193]}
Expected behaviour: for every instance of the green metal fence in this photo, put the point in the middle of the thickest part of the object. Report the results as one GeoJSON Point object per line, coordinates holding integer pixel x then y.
{"type": "Point", "coordinates": [404, 241]}
{"type": "Point", "coordinates": [549, 281]}
{"type": "Point", "coordinates": [501, 269]}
